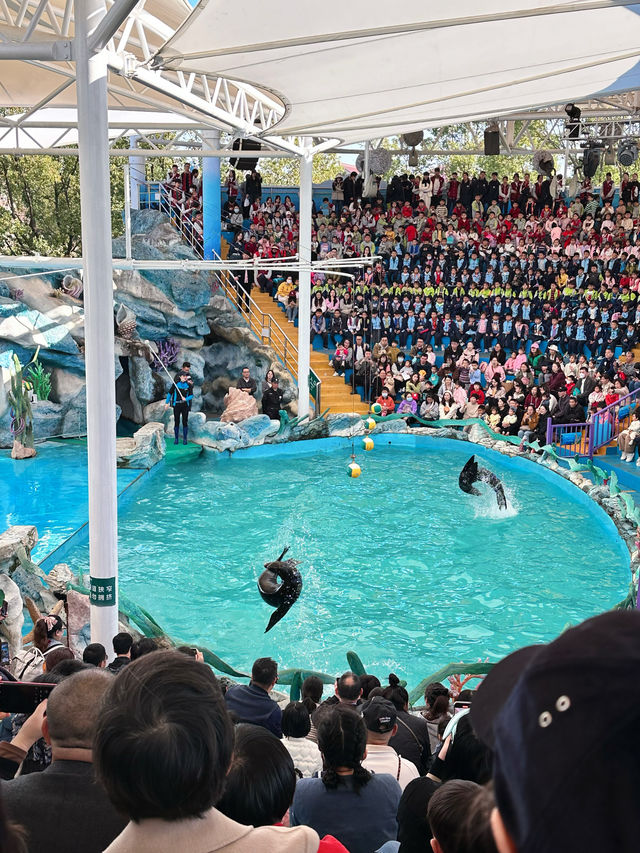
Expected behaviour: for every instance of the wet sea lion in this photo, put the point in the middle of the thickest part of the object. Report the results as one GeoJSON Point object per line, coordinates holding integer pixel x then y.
{"type": "Point", "coordinates": [472, 473]}
{"type": "Point", "coordinates": [281, 594]}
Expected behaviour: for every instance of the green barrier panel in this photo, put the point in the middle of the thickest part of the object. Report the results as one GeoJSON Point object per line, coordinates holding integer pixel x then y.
{"type": "Point", "coordinates": [296, 687]}
{"type": "Point", "coordinates": [286, 676]}
{"type": "Point", "coordinates": [450, 669]}
{"type": "Point", "coordinates": [355, 664]}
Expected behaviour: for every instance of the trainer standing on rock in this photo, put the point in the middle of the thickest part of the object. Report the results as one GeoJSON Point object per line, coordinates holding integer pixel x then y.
{"type": "Point", "coordinates": [179, 398]}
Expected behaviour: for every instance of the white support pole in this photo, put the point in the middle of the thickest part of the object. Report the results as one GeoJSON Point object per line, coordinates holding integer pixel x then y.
{"type": "Point", "coordinates": [127, 210]}
{"type": "Point", "coordinates": [304, 280]}
{"type": "Point", "coordinates": [93, 145]}
{"type": "Point", "coordinates": [365, 164]}
{"type": "Point", "coordinates": [137, 176]}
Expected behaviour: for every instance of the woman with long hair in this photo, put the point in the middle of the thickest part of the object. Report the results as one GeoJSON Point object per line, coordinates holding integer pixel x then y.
{"type": "Point", "coordinates": [436, 700]}
{"type": "Point", "coordinates": [47, 633]}
{"type": "Point", "coordinates": [357, 807]}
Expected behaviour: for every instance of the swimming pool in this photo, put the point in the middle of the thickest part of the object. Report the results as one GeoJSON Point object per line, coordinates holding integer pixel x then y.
{"type": "Point", "coordinates": [50, 491]}
{"type": "Point", "coordinates": [398, 565]}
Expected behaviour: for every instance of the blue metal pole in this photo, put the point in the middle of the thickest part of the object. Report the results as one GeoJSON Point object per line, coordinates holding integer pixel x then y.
{"type": "Point", "coordinates": [211, 201]}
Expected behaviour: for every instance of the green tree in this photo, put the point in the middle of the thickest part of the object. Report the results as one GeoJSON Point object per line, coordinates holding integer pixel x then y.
{"type": "Point", "coordinates": [285, 172]}
{"type": "Point", "coordinates": [40, 204]}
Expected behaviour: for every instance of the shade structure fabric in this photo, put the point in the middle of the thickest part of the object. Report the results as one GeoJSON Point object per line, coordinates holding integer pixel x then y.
{"type": "Point", "coordinates": [405, 67]}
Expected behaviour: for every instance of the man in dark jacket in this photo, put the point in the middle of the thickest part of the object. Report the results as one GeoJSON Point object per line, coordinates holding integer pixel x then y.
{"type": "Point", "coordinates": [272, 400]}
{"type": "Point", "coordinates": [64, 808]}
{"type": "Point", "coordinates": [252, 703]}
{"type": "Point", "coordinates": [122, 643]}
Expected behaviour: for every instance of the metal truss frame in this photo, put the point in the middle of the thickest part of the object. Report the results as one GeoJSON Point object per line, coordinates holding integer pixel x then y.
{"type": "Point", "coordinates": [41, 33]}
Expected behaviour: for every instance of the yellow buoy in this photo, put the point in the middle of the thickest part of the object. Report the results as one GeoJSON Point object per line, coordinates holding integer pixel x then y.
{"type": "Point", "coordinates": [367, 443]}
{"type": "Point", "coordinates": [354, 470]}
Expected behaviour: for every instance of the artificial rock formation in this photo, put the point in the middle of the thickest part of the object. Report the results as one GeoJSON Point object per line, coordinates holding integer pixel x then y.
{"type": "Point", "coordinates": [186, 307]}
{"type": "Point", "coordinates": [238, 406]}
{"type": "Point", "coordinates": [144, 449]}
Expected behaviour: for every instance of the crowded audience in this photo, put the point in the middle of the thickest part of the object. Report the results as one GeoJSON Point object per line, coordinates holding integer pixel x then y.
{"type": "Point", "coordinates": [477, 297]}
{"type": "Point", "coordinates": [158, 754]}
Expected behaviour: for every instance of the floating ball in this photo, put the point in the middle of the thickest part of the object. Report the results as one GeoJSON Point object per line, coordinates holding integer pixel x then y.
{"type": "Point", "coordinates": [370, 423]}
{"type": "Point", "coordinates": [376, 408]}
{"type": "Point", "coordinates": [367, 443]}
{"type": "Point", "coordinates": [354, 470]}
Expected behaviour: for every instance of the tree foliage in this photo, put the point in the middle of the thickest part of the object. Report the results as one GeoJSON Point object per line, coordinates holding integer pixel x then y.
{"type": "Point", "coordinates": [40, 204]}
{"type": "Point", "coordinates": [285, 172]}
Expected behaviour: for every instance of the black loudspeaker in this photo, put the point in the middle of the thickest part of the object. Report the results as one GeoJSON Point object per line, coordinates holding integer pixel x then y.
{"type": "Point", "coordinates": [245, 164]}
{"type": "Point", "coordinates": [491, 141]}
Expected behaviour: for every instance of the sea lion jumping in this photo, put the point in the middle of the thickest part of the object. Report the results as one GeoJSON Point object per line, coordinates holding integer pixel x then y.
{"type": "Point", "coordinates": [471, 473]}
{"type": "Point", "coordinates": [280, 594]}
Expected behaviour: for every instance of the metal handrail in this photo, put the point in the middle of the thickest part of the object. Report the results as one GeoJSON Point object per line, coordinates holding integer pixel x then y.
{"type": "Point", "coordinates": [158, 197]}
{"type": "Point", "coordinates": [604, 425]}
{"type": "Point", "coordinates": [263, 325]}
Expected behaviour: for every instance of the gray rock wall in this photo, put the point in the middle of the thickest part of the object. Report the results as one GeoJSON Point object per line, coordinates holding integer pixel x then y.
{"type": "Point", "coordinates": [181, 305]}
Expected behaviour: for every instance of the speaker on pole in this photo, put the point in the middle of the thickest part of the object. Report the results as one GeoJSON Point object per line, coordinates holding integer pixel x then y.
{"type": "Point", "coordinates": [492, 140]}
{"type": "Point", "coordinates": [245, 164]}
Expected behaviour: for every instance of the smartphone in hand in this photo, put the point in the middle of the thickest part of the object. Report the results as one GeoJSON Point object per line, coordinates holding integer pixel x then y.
{"type": "Point", "coordinates": [22, 697]}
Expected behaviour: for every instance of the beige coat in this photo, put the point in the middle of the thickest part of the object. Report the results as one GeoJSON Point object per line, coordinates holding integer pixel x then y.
{"type": "Point", "coordinates": [213, 832]}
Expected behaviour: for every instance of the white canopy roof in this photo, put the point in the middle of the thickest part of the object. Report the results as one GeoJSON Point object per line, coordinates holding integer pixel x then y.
{"type": "Point", "coordinates": [409, 66]}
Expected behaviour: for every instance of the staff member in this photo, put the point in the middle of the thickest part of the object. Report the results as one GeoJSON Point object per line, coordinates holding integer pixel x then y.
{"type": "Point", "coordinates": [179, 398]}
{"type": "Point", "coordinates": [272, 400]}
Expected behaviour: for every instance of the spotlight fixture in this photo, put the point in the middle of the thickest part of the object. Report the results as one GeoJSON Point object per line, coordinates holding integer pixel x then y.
{"type": "Point", "coordinates": [627, 152]}
{"type": "Point", "coordinates": [573, 124]}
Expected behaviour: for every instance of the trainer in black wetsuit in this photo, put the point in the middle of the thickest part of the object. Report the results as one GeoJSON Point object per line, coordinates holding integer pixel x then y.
{"type": "Point", "coordinates": [179, 398]}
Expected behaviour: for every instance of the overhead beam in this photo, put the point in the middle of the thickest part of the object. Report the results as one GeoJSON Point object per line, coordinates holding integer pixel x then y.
{"type": "Point", "coordinates": [111, 23]}
{"type": "Point", "coordinates": [47, 51]}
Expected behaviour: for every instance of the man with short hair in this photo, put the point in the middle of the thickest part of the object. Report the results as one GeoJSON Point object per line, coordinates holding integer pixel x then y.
{"type": "Point", "coordinates": [64, 808]}
{"type": "Point", "coordinates": [252, 703]}
{"type": "Point", "coordinates": [247, 383]}
{"type": "Point", "coordinates": [122, 643]}
{"type": "Point", "coordinates": [347, 691]}
{"type": "Point", "coordinates": [96, 655]}
{"type": "Point", "coordinates": [380, 718]}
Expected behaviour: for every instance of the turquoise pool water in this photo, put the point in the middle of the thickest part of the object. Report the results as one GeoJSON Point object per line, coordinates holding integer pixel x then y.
{"type": "Point", "coordinates": [49, 491]}
{"type": "Point", "coordinates": [399, 565]}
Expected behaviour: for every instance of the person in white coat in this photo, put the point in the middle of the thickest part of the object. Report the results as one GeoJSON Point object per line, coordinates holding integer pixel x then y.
{"type": "Point", "coordinates": [296, 725]}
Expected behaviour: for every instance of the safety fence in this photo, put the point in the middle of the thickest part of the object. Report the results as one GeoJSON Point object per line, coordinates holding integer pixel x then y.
{"type": "Point", "coordinates": [586, 438]}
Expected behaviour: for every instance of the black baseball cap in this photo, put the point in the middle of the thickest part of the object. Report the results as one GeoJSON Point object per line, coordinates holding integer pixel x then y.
{"type": "Point", "coordinates": [379, 715]}
{"type": "Point", "coordinates": [562, 721]}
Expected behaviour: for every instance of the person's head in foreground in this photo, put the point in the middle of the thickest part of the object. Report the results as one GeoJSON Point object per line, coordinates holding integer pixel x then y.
{"type": "Point", "coordinates": [164, 738]}
{"type": "Point", "coordinates": [566, 773]}
{"type": "Point", "coordinates": [459, 814]}
{"type": "Point", "coordinates": [261, 781]}
{"type": "Point", "coordinates": [342, 740]}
